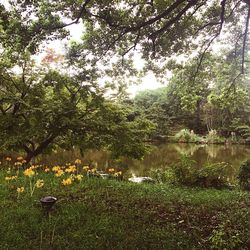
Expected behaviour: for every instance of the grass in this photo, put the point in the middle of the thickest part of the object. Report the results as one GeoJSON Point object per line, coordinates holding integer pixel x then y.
{"type": "Point", "coordinates": [109, 214]}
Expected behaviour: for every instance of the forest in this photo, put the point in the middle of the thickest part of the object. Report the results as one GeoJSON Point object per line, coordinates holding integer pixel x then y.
{"type": "Point", "coordinates": [73, 138]}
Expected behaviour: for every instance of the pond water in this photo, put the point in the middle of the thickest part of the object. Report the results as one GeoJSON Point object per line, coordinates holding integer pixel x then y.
{"type": "Point", "coordinates": [162, 157]}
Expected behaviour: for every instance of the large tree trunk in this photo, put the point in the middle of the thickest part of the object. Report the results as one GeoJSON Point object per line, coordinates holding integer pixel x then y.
{"type": "Point", "coordinates": [31, 153]}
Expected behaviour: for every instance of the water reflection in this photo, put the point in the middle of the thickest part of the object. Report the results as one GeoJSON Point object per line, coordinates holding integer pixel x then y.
{"type": "Point", "coordinates": [166, 155]}
{"type": "Point", "coordinates": [162, 157]}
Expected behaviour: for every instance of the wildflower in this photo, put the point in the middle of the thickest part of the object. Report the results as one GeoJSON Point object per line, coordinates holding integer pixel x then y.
{"type": "Point", "coordinates": [67, 181]}
{"type": "Point", "coordinates": [46, 170]}
{"type": "Point", "coordinates": [78, 161]}
{"type": "Point", "coordinates": [19, 158]}
{"type": "Point", "coordinates": [24, 161]}
{"type": "Point", "coordinates": [20, 189]}
{"type": "Point", "coordinates": [56, 168]}
{"type": "Point", "coordinates": [33, 167]}
{"type": "Point", "coordinates": [71, 169]}
{"type": "Point", "coordinates": [111, 170]}
{"type": "Point", "coordinates": [59, 173]}
{"type": "Point", "coordinates": [93, 170]}
{"type": "Point", "coordinates": [39, 183]}
{"type": "Point", "coordinates": [8, 158]}
{"type": "Point", "coordinates": [10, 178]}
{"type": "Point", "coordinates": [85, 168]}
{"type": "Point", "coordinates": [29, 172]}
{"type": "Point", "coordinates": [78, 177]}
{"type": "Point", "coordinates": [118, 173]}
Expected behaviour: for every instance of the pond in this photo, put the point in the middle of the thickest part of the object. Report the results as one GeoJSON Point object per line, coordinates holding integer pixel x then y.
{"type": "Point", "coordinates": [162, 156]}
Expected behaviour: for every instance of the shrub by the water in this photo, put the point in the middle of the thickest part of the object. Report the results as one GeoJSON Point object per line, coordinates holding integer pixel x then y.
{"type": "Point", "coordinates": [212, 175]}
{"type": "Point", "coordinates": [244, 175]}
{"type": "Point", "coordinates": [185, 135]}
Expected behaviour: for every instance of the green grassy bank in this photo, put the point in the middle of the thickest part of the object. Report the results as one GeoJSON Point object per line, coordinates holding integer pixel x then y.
{"type": "Point", "coordinates": [109, 214]}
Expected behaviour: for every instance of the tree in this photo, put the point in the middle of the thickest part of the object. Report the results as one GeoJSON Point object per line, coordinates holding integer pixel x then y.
{"type": "Point", "coordinates": [152, 103]}
{"type": "Point", "coordinates": [42, 108]}
{"type": "Point", "coordinates": [157, 28]}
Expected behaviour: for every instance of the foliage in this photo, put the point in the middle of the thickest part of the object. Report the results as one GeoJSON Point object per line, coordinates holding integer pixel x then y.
{"type": "Point", "coordinates": [244, 132]}
{"type": "Point", "coordinates": [151, 104]}
{"type": "Point", "coordinates": [185, 171]}
{"type": "Point", "coordinates": [42, 108]}
{"type": "Point", "coordinates": [185, 135]}
{"type": "Point", "coordinates": [220, 240]}
{"type": "Point", "coordinates": [107, 204]}
{"type": "Point", "coordinates": [163, 176]}
{"type": "Point", "coordinates": [244, 175]}
{"type": "Point", "coordinates": [212, 175]}
{"type": "Point", "coordinates": [213, 137]}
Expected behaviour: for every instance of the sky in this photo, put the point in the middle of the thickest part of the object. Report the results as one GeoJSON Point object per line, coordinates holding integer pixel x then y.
{"type": "Point", "coordinates": [149, 81]}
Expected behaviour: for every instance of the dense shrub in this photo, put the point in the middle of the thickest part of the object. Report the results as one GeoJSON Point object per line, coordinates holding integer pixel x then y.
{"type": "Point", "coordinates": [213, 137]}
{"type": "Point", "coordinates": [213, 175]}
{"type": "Point", "coordinates": [163, 176]}
{"type": "Point", "coordinates": [185, 135]}
{"type": "Point", "coordinates": [244, 175]}
{"type": "Point", "coordinates": [187, 173]}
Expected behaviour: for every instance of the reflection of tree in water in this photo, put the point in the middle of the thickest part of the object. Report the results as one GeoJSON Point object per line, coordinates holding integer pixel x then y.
{"type": "Point", "coordinates": [212, 151]}
{"type": "Point", "coordinates": [187, 149]}
{"type": "Point", "coordinates": [162, 157]}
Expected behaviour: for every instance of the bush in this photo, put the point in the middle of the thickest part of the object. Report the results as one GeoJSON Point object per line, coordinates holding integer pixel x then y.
{"type": "Point", "coordinates": [213, 137]}
{"type": "Point", "coordinates": [244, 175]}
{"type": "Point", "coordinates": [185, 135]}
{"type": "Point", "coordinates": [213, 175]}
{"type": "Point", "coordinates": [185, 171]}
{"type": "Point", "coordinates": [163, 176]}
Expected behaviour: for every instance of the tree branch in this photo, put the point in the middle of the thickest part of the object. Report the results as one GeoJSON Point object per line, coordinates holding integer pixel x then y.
{"type": "Point", "coordinates": [82, 10]}
{"type": "Point", "coordinates": [245, 41]}
{"type": "Point", "coordinates": [173, 20]}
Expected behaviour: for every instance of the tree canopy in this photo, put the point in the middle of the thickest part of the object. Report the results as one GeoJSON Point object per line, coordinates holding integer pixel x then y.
{"type": "Point", "coordinates": [156, 28]}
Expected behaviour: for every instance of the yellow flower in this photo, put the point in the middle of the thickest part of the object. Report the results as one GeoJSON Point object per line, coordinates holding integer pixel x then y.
{"type": "Point", "coordinates": [78, 161]}
{"type": "Point", "coordinates": [29, 172]}
{"type": "Point", "coordinates": [8, 158]}
{"type": "Point", "coordinates": [39, 183]}
{"type": "Point", "coordinates": [10, 178]}
{"type": "Point", "coordinates": [85, 168]}
{"type": "Point", "coordinates": [20, 189]}
{"type": "Point", "coordinates": [46, 170]}
{"type": "Point", "coordinates": [67, 182]}
{"type": "Point", "coordinates": [19, 158]}
{"type": "Point", "coordinates": [78, 177]}
{"type": "Point", "coordinates": [118, 173]}
{"type": "Point", "coordinates": [56, 168]}
{"type": "Point", "coordinates": [93, 170]}
{"type": "Point", "coordinates": [59, 173]}
{"type": "Point", "coordinates": [71, 169]}
{"type": "Point", "coordinates": [111, 170]}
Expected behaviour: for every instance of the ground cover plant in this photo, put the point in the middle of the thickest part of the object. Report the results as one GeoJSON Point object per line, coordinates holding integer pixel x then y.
{"type": "Point", "coordinates": [90, 208]}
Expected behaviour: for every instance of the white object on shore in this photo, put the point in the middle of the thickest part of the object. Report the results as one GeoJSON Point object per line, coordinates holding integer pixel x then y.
{"type": "Point", "coordinates": [143, 179]}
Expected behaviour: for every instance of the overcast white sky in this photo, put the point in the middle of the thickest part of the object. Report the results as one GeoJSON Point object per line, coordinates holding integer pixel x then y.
{"type": "Point", "coordinates": [148, 82]}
